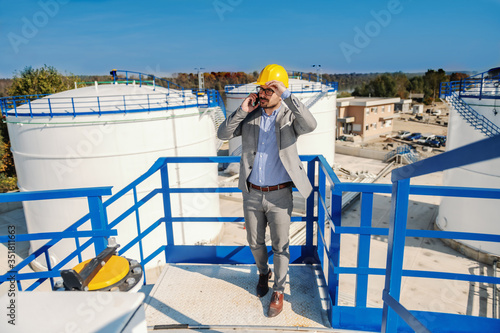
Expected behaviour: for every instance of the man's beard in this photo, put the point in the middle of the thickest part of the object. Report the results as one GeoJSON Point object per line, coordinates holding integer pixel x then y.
{"type": "Point", "coordinates": [269, 106]}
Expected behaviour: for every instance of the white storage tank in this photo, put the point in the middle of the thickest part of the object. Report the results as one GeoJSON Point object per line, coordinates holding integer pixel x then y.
{"type": "Point", "coordinates": [322, 139]}
{"type": "Point", "coordinates": [83, 146]}
{"type": "Point", "coordinates": [470, 214]}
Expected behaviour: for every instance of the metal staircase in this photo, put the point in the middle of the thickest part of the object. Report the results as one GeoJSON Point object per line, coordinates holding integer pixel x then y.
{"type": "Point", "coordinates": [405, 152]}
{"type": "Point", "coordinates": [481, 86]}
{"type": "Point", "coordinates": [218, 117]}
{"type": "Point", "coordinates": [314, 99]}
{"type": "Point", "coordinates": [476, 120]}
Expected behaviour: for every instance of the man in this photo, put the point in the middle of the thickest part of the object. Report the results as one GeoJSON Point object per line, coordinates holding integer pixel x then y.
{"type": "Point", "coordinates": [270, 123]}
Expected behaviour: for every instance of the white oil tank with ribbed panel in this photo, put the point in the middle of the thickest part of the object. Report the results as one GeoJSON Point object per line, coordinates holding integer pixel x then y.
{"type": "Point", "coordinates": [80, 146]}
{"type": "Point", "coordinates": [471, 214]}
{"type": "Point", "coordinates": [321, 100]}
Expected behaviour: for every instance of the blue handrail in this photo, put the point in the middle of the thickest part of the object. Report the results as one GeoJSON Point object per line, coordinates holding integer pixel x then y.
{"type": "Point", "coordinates": [294, 88]}
{"type": "Point", "coordinates": [98, 235]}
{"type": "Point", "coordinates": [483, 87]}
{"type": "Point", "coordinates": [44, 106]}
{"type": "Point", "coordinates": [128, 79]}
{"type": "Point", "coordinates": [112, 104]}
{"type": "Point", "coordinates": [475, 152]}
{"type": "Point", "coordinates": [478, 87]}
{"type": "Point", "coordinates": [327, 218]}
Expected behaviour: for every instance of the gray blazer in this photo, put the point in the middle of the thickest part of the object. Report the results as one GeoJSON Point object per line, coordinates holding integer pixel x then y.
{"type": "Point", "coordinates": [293, 120]}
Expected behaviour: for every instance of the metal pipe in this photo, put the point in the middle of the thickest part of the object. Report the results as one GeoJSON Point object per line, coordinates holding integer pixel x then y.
{"type": "Point", "coordinates": [244, 328]}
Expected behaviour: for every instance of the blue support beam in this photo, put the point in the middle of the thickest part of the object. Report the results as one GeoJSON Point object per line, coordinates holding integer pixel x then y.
{"type": "Point", "coordinates": [395, 251]}
{"type": "Point", "coordinates": [98, 220]}
{"type": "Point", "coordinates": [364, 249]}
{"type": "Point", "coordinates": [167, 210]}
{"type": "Point", "coordinates": [310, 212]}
{"type": "Point", "coordinates": [328, 193]}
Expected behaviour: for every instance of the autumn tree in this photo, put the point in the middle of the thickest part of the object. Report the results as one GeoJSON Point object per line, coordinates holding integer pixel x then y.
{"type": "Point", "coordinates": [458, 76]}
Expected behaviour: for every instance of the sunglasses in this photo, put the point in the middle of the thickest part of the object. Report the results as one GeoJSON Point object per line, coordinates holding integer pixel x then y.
{"type": "Point", "coordinates": [268, 91]}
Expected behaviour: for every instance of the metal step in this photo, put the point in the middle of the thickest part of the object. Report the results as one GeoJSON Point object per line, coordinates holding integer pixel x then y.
{"type": "Point", "coordinates": [224, 295]}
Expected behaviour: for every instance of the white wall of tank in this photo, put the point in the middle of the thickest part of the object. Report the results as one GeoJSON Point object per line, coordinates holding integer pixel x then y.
{"type": "Point", "coordinates": [470, 214]}
{"type": "Point", "coordinates": [113, 150]}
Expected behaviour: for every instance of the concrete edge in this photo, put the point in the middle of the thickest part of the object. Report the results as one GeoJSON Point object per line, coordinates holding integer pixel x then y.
{"type": "Point", "coordinates": [469, 252]}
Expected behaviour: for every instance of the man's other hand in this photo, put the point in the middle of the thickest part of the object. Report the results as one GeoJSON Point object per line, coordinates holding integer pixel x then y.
{"type": "Point", "coordinates": [277, 86]}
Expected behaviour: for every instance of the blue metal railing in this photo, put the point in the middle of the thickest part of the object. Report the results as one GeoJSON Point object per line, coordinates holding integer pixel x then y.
{"type": "Point", "coordinates": [97, 235]}
{"type": "Point", "coordinates": [475, 152]}
{"type": "Point", "coordinates": [314, 87]}
{"type": "Point", "coordinates": [131, 76]}
{"type": "Point", "coordinates": [480, 86]}
{"type": "Point", "coordinates": [214, 99]}
{"type": "Point", "coordinates": [324, 248]}
{"type": "Point", "coordinates": [405, 150]}
{"type": "Point", "coordinates": [78, 106]}
{"type": "Point", "coordinates": [45, 106]}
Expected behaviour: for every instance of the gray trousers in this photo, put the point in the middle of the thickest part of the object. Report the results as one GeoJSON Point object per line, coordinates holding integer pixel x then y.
{"type": "Point", "coordinates": [274, 209]}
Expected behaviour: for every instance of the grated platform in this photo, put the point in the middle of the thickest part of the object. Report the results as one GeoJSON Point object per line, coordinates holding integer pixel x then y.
{"type": "Point", "coordinates": [224, 295]}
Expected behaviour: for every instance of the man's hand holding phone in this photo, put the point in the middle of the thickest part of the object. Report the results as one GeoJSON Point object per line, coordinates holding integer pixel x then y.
{"type": "Point", "coordinates": [250, 103]}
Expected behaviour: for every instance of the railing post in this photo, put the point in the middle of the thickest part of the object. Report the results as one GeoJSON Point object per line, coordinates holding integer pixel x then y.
{"type": "Point", "coordinates": [138, 223]}
{"type": "Point", "coordinates": [334, 249]}
{"type": "Point", "coordinates": [50, 107]}
{"type": "Point", "coordinates": [73, 105]}
{"type": "Point", "coordinates": [310, 211]}
{"type": "Point", "coordinates": [31, 111]}
{"type": "Point", "coordinates": [364, 249]}
{"type": "Point", "coordinates": [98, 105]}
{"type": "Point", "coordinates": [395, 251]}
{"type": "Point", "coordinates": [167, 208]}
{"type": "Point", "coordinates": [481, 88]}
{"type": "Point", "coordinates": [98, 221]}
{"type": "Point", "coordinates": [321, 216]}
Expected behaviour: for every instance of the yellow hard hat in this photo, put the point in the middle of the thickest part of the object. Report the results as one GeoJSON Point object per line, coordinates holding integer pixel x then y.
{"type": "Point", "coordinates": [273, 72]}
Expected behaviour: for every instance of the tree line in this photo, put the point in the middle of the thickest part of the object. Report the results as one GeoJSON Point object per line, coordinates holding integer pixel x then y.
{"type": "Point", "coordinates": [399, 85]}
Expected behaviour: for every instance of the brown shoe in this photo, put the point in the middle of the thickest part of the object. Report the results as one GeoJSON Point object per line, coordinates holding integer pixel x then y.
{"type": "Point", "coordinates": [276, 304]}
{"type": "Point", "coordinates": [263, 285]}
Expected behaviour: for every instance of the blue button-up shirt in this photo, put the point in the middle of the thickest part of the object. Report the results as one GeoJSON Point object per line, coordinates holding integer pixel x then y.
{"type": "Point", "coordinates": [267, 168]}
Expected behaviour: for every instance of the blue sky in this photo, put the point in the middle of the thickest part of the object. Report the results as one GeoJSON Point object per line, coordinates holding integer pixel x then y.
{"type": "Point", "coordinates": [168, 36]}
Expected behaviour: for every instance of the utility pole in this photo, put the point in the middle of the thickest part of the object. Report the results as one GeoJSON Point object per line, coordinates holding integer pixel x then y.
{"type": "Point", "coordinates": [201, 79]}
{"type": "Point", "coordinates": [318, 72]}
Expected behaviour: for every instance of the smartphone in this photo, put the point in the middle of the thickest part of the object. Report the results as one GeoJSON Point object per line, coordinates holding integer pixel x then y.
{"type": "Point", "coordinates": [257, 101]}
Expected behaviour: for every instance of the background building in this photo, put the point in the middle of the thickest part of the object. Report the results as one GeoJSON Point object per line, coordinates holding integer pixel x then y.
{"type": "Point", "coordinates": [368, 117]}
{"type": "Point", "coordinates": [403, 106]}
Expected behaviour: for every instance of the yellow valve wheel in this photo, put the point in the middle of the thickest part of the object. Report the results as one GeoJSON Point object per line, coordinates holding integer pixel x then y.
{"type": "Point", "coordinates": [113, 271]}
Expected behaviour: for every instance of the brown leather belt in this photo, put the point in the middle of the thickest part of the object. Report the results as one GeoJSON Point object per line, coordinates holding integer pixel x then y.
{"type": "Point", "coordinates": [271, 188]}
